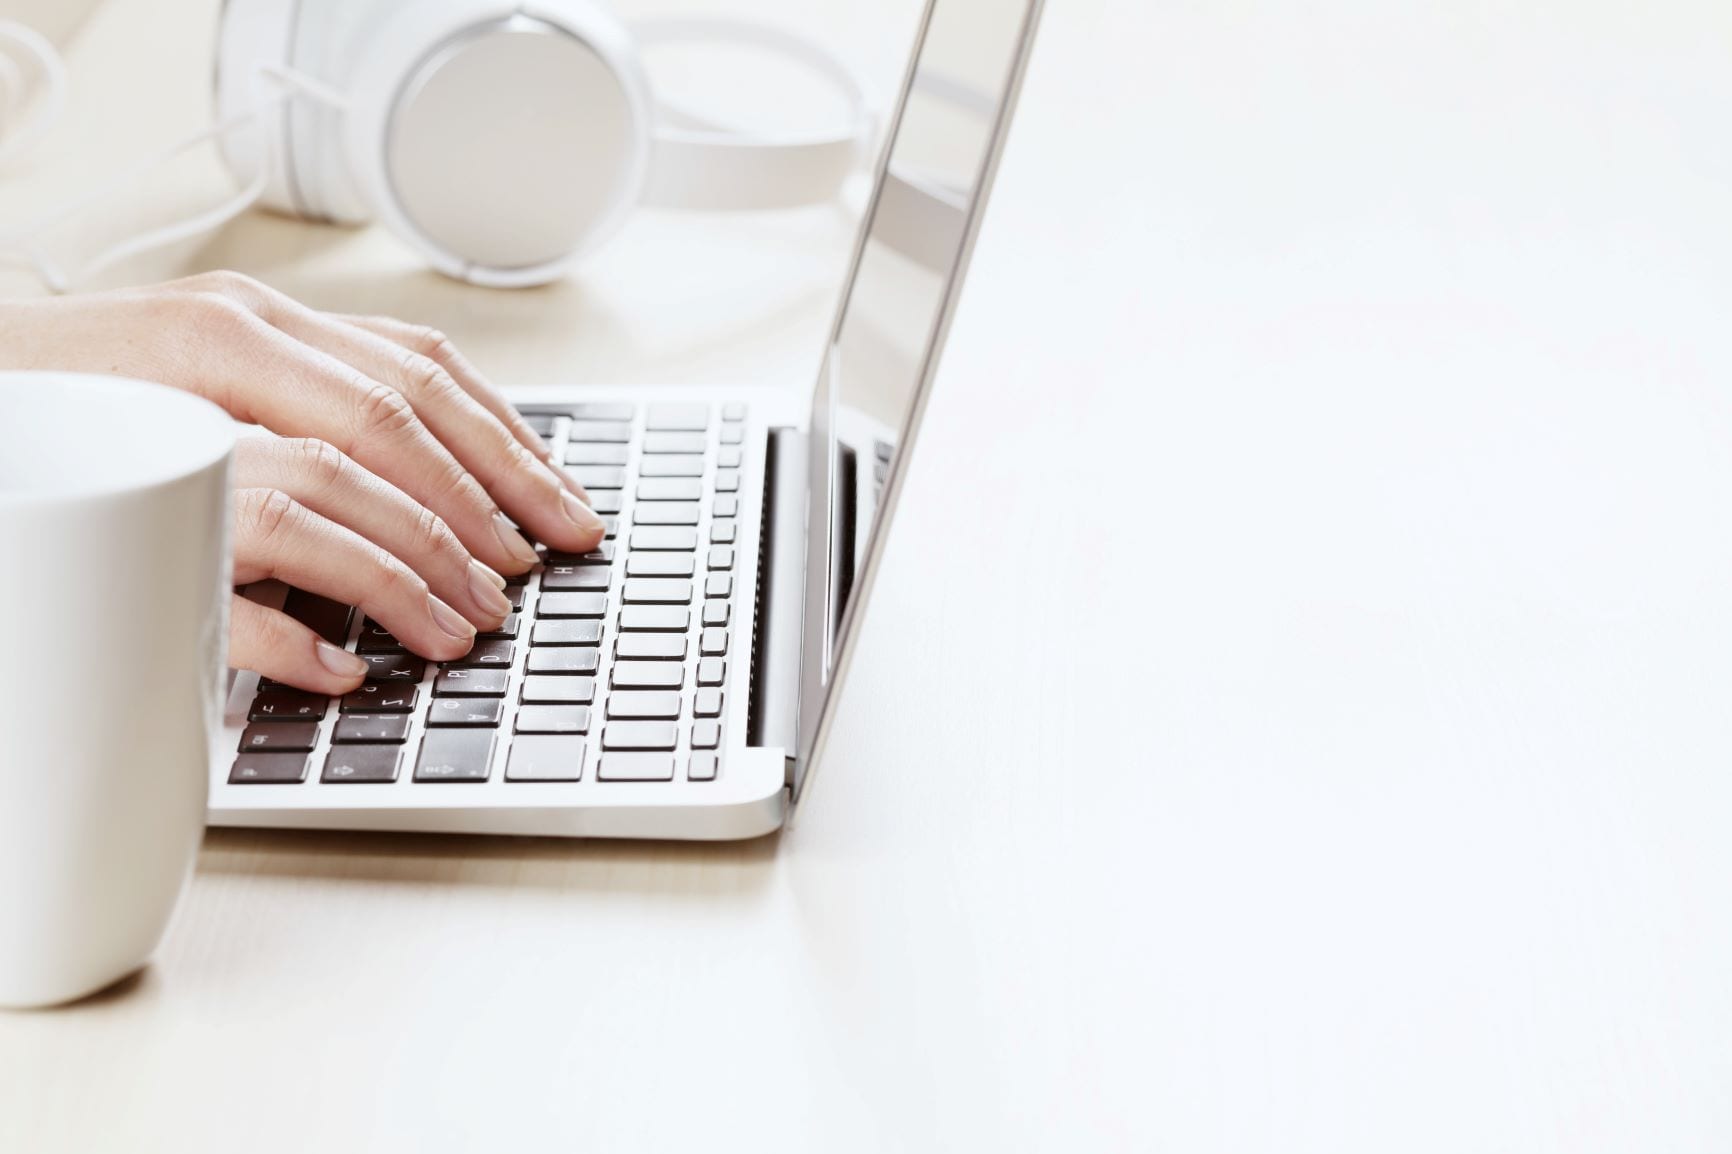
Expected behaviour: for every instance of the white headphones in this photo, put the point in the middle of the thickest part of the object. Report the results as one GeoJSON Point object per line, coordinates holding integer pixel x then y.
{"type": "Point", "coordinates": [503, 140]}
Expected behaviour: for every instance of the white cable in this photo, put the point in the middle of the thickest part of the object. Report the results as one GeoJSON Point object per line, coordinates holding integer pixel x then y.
{"type": "Point", "coordinates": [22, 248]}
{"type": "Point", "coordinates": [18, 40]}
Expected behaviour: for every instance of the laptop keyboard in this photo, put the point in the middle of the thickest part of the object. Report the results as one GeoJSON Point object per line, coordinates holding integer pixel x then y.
{"type": "Point", "coordinates": [613, 663]}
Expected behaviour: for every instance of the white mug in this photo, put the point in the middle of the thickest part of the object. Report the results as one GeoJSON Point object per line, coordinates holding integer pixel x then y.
{"type": "Point", "coordinates": [114, 594]}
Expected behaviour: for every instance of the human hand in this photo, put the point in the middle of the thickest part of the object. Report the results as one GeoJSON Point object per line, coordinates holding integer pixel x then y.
{"type": "Point", "coordinates": [389, 485]}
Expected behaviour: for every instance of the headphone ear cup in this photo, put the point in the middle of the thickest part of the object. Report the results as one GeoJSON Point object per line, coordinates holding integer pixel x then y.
{"type": "Point", "coordinates": [503, 142]}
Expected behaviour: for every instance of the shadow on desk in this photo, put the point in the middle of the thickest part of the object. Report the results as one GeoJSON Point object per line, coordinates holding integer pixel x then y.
{"type": "Point", "coordinates": [568, 864]}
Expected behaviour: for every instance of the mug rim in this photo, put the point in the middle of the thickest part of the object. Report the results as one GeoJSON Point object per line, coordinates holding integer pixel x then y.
{"type": "Point", "coordinates": [211, 423]}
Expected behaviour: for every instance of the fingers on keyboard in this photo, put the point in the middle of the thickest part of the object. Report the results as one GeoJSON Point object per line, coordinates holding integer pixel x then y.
{"type": "Point", "coordinates": [532, 692]}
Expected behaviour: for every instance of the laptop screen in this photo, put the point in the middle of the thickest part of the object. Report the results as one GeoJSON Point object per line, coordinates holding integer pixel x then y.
{"type": "Point", "coordinates": [913, 244]}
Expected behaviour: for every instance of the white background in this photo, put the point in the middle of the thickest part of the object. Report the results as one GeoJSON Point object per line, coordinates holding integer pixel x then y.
{"type": "Point", "coordinates": [1294, 712]}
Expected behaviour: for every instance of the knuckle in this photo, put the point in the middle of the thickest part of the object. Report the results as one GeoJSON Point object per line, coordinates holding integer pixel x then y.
{"type": "Point", "coordinates": [430, 343]}
{"type": "Point", "coordinates": [431, 533]}
{"type": "Point", "coordinates": [319, 461]}
{"type": "Point", "coordinates": [426, 378]}
{"type": "Point", "coordinates": [268, 513]}
{"type": "Point", "coordinates": [225, 282]}
{"type": "Point", "coordinates": [465, 490]}
{"type": "Point", "coordinates": [397, 582]}
{"type": "Point", "coordinates": [381, 411]}
{"type": "Point", "coordinates": [220, 316]}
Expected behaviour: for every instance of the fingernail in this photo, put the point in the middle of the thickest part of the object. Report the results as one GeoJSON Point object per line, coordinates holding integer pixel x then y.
{"type": "Point", "coordinates": [485, 589]}
{"type": "Point", "coordinates": [513, 541]}
{"type": "Point", "coordinates": [450, 620]}
{"type": "Point", "coordinates": [580, 514]}
{"type": "Point", "coordinates": [340, 662]}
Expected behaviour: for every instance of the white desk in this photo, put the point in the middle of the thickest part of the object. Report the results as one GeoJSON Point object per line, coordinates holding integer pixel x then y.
{"type": "Point", "coordinates": [1295, 712]}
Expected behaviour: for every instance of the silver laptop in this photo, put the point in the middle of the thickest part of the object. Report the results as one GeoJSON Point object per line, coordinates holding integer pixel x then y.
{"type": "Point", "coordinates": [680, 681]}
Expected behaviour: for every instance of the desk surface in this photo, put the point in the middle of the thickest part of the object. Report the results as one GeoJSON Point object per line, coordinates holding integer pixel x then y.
{"type": "Point", "coordinates": [1294, 711]}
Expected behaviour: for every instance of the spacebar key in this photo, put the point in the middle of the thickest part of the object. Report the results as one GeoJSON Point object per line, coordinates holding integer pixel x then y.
{"type": "Point", "coordinates": [636, 767]}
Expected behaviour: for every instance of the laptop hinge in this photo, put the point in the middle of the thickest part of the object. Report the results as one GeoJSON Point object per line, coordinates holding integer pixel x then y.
{"type": "Point", "coordinates": [772, 716]}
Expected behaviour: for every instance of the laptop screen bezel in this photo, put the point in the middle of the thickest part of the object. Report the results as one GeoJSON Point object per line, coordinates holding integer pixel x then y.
{"type": "Point", "coordinates": [825, 653]}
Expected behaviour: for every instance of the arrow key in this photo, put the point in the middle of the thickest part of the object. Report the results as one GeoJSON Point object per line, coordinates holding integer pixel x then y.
{"type": "Point", "coordinates": [362, 763]}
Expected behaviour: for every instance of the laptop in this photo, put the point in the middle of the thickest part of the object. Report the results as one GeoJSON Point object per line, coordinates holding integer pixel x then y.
{"type": "Point", "coordinates": [679, 681]}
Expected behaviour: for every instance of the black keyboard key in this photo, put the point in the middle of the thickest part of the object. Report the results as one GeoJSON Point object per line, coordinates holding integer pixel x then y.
{"type": "Point", "coordinates": [280, 737]}
{"type": "Point", "coordinates": [375, 698]}
{"type": "Point", "coordinates": [706, 734]}
{"type": "Point", "coordinates": [597, 453]}
{"type": "Point", "coordinates": [655, 619]}
{"type": "Point", "coordinates": [553, 719]}
{"type": "Point", "coordinates": [665, 513]}
{"type": "Point", "coordinates": [683, 418]}
{"type": "Point", "coordinates": [287, 705]}
{"type": "Point", "coordinates": [635, 767]}
{"type": "Point", "coordinates": [485, 655]}
{"type": "Point", "coordinates": [604, 411]}
{"type": "Point", "coordinates": [657, 591]}
{"type": "Point", "coordinates": [650, 646]}
{"type": "Point", "coordinates": [471, 682]}
{"type": "Point", "coordinates": [455, 755]}
{"type": "Point", "coordinates": [674, 442]}
{"type": "Point", "coordinates": [566, 632]}
{"type": "Point", "coordinates": [672, 465]}
{"type": "Point", "coordinates": [571, 605]}
{"type": "Point", "coordinates": [394, 667]}
{"type": "Point", "coordinates": [269, 769]}
{"type": "Point", "coordinates": [721, 557]}
{"type": "Point", "coordinates": [702, 767]}
{"type": "Point", "coordinates": [712, 671]}
{"type": "Point", "coordinates": [563, 659]}
{"type": "Point", "coordinates": [644, 706]}
{"type": "Point", "coordinates": [601, 555]}
{"type": "Point", "coordinates": [371, 728]}
{"type": "Point", "coordinates": [597, 476]}
{"type": "Point", "coordinates": [659, 565]}
{"type": "Point", "coordinates": [328, 618]}
{"type": "Point", "coordinates": [514, 594]}
{"type": "Point", "coordinates": [719, 585]}
{"type": "Point", "coordinates": [576, 578]}
{"type": "Point", "coordinates": [648, 675]}
{"type": "Point", "coordinates": [639, 735]}
{"type": "Point", "coordinates": [362, 764]}
{"type": "Point", "coordinates": [558, 690]}
{"type": "Point", "coordinates": [465, 711]}
{"type": "Point", "coordinates": [375, 638]}
{"type": "Point", "coordinates": [545, 757]}
{"type": "Point", "coordinates": [664, 538]}
{"type": "Point", "coordinates": [617, 432]}
{"type": "Point", "coordinates": [670, 489]}
{"type": "Point", "coordinates": [707, 703]}
{"type": "Point", "coordinates": [506, 630]}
